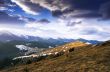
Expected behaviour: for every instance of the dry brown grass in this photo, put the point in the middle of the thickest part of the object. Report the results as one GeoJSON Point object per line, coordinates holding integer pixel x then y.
{"type": "Point", "coordinates": [67, 46]}
{"type": "Point", "coordinates": [84, 59]}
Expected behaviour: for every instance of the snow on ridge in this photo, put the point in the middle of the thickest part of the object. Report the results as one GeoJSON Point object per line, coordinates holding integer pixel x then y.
{"type": "Point", "coordinates": [21, 57]}
{"type": "Point", "coordinates": [88, 43]}
{"type": "Point", "coordinates": [22, 47]}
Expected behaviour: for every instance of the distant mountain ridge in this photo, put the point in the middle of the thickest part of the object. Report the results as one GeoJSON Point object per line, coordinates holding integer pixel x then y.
{"type": "Point", "coordinates": [8, 36]}
{"type": "Point", "coordinates": [9, 41]}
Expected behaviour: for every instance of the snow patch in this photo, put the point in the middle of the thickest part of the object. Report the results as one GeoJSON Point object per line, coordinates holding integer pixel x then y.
{"type": "Point", "coordinates": [88, 43]}
{"type": "Point", "coordinates": [22, 47]}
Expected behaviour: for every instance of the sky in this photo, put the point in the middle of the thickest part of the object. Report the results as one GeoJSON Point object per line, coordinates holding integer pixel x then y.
{"type": "Point", "coordinates": [72, 19]}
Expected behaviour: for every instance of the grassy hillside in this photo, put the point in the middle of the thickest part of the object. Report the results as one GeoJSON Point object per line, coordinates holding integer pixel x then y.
{"type": "Point", "coordinates": [91, 58]}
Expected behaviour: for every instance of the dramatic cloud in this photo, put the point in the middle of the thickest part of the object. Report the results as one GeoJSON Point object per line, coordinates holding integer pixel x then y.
{"type": "Point", "coordinates": [52, 5]}
{"type": "Point", "coordinates": [65, 8]}
{"type": "Point", "coordinates": [28, 6]}
{"type": "Point", "coordinates": [85, 9]}
{"type": "Point", "coordinates": [35, 6]}
{"type": "Point", "coordinates": [58, 18]}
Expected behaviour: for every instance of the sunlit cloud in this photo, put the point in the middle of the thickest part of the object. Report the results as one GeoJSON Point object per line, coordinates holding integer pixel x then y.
{"type": "Point", "coordinates": [58, 29]}
{"type": "Point", "coordinates": [85, 30]}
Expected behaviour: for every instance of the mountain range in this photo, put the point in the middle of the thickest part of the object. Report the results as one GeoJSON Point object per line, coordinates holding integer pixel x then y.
{"type": "Point", "coordinates": [10, 41]}
{"type": "Point", "coordinates": [6, 36]}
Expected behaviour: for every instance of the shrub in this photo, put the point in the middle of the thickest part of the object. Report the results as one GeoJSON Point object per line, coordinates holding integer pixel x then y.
{"type": "Point", "coordinates": [25, 69]}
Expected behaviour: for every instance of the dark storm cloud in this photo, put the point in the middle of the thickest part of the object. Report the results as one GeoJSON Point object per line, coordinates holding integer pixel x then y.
{"type": "Point", "coordinates": [65, 8]}
{"type": "Point", "coordinates": [6, 2]}
{"type": "Point", "coordinates": [7, 19]}
{"type": "Point", "coordinates": [31, 19]}
{"type": "Point", "coordinates": [44, 21]}
{"type": "Point", "coordinates": [1, 2]}
{"type": "Point", "coordinates": [93, 8]}
{"type": "Point", "coordinates": [88, 15]}
{"type": "Point", "coordinates": [57, 13]}
{"type": "Point", "coordinates": [35, 6]}
{"type": "Point", "coordinates": [28, 6]}
{"type": "Point", "coordinates": [105, 10]}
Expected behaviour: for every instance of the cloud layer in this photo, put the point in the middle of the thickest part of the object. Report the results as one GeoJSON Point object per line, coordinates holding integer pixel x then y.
{"type": "Point", "coordinates": [72, 18]}
{"type": "Point", "coordinates": [90, 29]}
{"type": "Point", "coordinates": [59, 29]}
{"type": "Point", "coordinates": [65, 8]}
